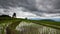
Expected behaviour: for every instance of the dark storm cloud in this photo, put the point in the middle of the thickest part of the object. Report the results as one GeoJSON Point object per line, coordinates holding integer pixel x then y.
{"type": "Point", "coordinates": [48, 6]}
{"type": "Point", "coordinates": [57, 4]}
{"type": "Point", "coordinates": [30, 4]}
{"type": "Point", "coordinates": [38, 7]}
{"type": "Point", "coordinates": [44, 5]}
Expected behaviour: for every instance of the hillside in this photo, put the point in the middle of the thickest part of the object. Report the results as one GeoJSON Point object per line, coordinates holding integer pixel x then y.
{"type": "Point", "coordinates": [13, 22]}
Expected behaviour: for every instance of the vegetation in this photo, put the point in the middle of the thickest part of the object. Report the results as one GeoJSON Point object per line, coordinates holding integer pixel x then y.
{"type": "Point", "coordinates": [13, 22]}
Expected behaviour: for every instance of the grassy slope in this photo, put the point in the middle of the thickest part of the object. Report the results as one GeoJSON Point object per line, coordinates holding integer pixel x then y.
{"type": "Point", "coordinates": [41, 22]}
{"type": "Point", "coordinates": [52, 24]}
{"type": "Point", "coordinates": [15, 21]}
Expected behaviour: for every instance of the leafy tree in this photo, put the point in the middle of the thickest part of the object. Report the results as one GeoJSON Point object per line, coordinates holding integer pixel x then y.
{"type": "Point", "coordinates": [14, 15]}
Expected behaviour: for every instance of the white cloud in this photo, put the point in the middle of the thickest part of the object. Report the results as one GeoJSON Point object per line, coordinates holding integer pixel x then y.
{"type": "Point", "coordinates": [46, 5]}
{"type": "Point", "coordinates": [23, 12]}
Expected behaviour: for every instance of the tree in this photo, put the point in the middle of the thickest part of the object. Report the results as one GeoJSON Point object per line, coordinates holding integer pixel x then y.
{"type": "Point", "coordinates": [26, 18]}
{"type": "Point", "coordinates": [14, 15]}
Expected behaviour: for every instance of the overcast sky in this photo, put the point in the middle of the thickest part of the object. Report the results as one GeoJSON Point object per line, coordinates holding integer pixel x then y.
{"type": "Point", "coordinates": [30, 8]}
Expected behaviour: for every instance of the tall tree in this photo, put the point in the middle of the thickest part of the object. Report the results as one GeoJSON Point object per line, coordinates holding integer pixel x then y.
{"type": "Point", "coordinates": [14, 15]}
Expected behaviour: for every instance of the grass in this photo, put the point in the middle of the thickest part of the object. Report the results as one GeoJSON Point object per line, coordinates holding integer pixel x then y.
{"type": "Point", "coordinates": [8, 20]}
{"type": "Point", "coordinates": [11, 21]}
{"type": "Point", "coordinates": [52, 24]}
{"type": "Point", "coordinates": [15, 21]}
{"type": "Point", "coordinates": [46, 22]}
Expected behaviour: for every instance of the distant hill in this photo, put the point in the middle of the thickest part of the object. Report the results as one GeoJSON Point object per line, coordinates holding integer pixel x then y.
{"type": "Point", "coordinates": [5, 16]}
{"type": "Point", "coordinates": [48, 20]}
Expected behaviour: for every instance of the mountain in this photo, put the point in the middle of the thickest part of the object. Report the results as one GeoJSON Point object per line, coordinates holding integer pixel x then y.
{"type": "Point", "coordinates": [4, 17]}
{"type": "Point", "coordinates": [50, 20]}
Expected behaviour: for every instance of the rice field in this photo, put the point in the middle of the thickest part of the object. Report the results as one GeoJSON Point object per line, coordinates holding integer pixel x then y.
{"type": "Point", "coordinates": [24, 26]}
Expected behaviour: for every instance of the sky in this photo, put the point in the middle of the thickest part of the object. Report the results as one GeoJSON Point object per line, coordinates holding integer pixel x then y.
{"type": "Point", "coordinates": [31, 8]}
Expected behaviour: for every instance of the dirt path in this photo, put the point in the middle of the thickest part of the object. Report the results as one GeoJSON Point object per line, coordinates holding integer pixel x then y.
{"type": "Point", "coordinates": [11, 28]}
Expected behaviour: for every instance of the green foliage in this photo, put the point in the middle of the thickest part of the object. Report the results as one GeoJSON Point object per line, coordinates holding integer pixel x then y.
{"type": "Point", "coordinates": [15, 21]}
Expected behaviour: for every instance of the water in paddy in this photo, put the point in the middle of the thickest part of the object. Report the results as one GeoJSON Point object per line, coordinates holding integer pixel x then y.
{"type": "Point", "coordinates": [3, 27]}
{"type": "Point", "coordinates": [32, 28]}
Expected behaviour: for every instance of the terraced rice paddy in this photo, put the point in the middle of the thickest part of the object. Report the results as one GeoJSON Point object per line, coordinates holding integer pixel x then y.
{"type": "Point", "coordinates": [26, 27]}
{"type": "Point", "coordinates": [32, 28]}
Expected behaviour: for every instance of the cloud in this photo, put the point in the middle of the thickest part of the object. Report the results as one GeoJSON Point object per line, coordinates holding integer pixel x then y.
{"type": "Point", "coordinates": [20, 12]}
{"type": "Point", "coordinates": [31, 8]}
{"type": "Point", "coordinates": [30, 4]}
{"type": "Point", "coordinates": [57, 4]}
{"type": "Point", "coordinates": [48, 5]}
